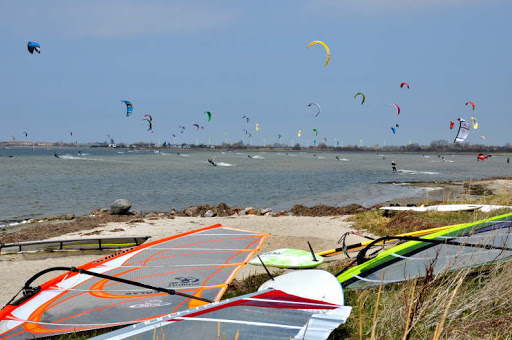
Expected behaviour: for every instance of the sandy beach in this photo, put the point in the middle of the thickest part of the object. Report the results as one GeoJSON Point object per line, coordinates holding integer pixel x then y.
{"type": "Point", "coordinates": [322, 232]}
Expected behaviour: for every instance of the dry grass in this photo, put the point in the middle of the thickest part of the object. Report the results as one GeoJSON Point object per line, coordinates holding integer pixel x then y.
{"type": "Point", "coordinates": [472, 305]}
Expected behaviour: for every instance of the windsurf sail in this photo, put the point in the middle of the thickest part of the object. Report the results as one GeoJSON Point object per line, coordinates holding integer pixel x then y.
{"type": "Point", "coordinates": [100, 243]}
{"type": "Point", "coordinates": [133, 285]}
{"type": "Point", "coordinates": [276, 311]}
{"type": "Point", "coordinates": [463, 132]}
{"type": "Point", "coordinates": [465, 246]}
{"type": "Point", "coordinates": [345, 248]}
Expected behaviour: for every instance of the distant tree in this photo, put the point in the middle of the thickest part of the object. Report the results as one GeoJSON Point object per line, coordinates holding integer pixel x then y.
{"type": "Point", "coordinates": [296, 147]}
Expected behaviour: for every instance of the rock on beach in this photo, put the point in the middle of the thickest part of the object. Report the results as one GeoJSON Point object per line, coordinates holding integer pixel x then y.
{"type": "Point", "coordinates": [120, 207]}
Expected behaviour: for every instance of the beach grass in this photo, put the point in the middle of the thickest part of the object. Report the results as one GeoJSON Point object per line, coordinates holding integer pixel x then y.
{"type": "Point", "coordinates": [467, 304]}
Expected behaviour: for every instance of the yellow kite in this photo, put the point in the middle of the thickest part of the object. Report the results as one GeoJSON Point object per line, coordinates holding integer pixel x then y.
{"type": "Point", "coordinates": [326, 49]}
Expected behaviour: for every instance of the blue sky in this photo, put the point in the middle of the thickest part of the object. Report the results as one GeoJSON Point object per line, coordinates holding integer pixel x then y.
{"type": "Point", "coordinates": [176, 59]}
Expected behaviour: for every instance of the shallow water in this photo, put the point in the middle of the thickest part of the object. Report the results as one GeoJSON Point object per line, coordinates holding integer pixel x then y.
{"type": "Point", "coordinates": [35, 183]}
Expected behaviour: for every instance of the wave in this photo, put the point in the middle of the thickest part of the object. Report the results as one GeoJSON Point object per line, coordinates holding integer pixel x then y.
{"type": "Point", "coordinates": [224, 164]}
{"type": "Point", "coordinates": [258, 157]}
{"type": "Point", "coordinates": [343, 159]}
{"type": "Point", "coordinates": [412, 172]}
{"type": "Point", "coordinates": [67, 156]}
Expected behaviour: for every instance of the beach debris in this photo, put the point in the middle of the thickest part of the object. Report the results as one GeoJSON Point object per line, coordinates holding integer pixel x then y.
{"type": "Point", "coordinates": [463, 246]}
{"type": "Point", "coordinates": [297, 305]}
{"type": "Point", "coordinates": [144, 282]}
{"type": "Point", "coordinates": [69, 217]}
{"type": "Point", "coordinates": [325, 210]}
{"type": "Point", "coordinates": [192, 211]}
{"type": "Point", "coordinates": [120, 207]}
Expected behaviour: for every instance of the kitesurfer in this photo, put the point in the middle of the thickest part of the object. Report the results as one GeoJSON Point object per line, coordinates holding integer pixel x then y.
{"type": "Point", "coordinates": [337, 157]}
{"type": "Point", "coordinates": [508, 160]}
{"type": "Point", "coordinates": [393, 166]}
{"type": "Point", "coordinates": [79, 152]}
{"type": "Point", "coordinates": [210, 160]}
{"type": "Point", "coordinates": [55, 155]}
{"type": "Point", "coordinates": [249, 156]}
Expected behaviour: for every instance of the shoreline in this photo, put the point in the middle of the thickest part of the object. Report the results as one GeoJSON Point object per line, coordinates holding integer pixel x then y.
{"type": "Point", "coordinates": [434, 192]}
{"type": "Point", "coordinates": [320, 225]}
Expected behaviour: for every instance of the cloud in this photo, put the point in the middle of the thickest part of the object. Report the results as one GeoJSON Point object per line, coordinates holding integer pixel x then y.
{"type": "Point", "coordinates": [116, 18]}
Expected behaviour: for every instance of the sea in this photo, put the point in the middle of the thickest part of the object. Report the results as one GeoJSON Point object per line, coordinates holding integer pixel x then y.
{"type": "Point", "coordinates": [36, 184]}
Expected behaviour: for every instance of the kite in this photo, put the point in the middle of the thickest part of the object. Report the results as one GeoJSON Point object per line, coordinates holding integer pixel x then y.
{"type": "Point", "coordinates": [209, 115]}
{"type": "Point", "coordinates": [196, 125]}
{"type": "Point", "coordinates": [472, 105]}
{"type": "Point", "coordinates": [363, 97]}
{"type": "Point", "coordinates": [70, 134]}
{"type": "Point", "coordinates": [315, 131]}
{"type": "Point", "coordinates": [481, 157]}
{"type": "Point", "coordinates": [397, 108]}
{"type": "Point", "coordinates": [404, 84]}
{"type": "Point", "coordinates": [325, 139]}
{"type": "Point", "coordinates": [26, 134]}
{"type": "Point", "coordinates": [483, 137]}
{"type": "Point", "coordinates": [463, 132]}
{"type": "Point", "coordinates": [326, 49]}
{"type": "Point", "coordinates": [257, 127]}
{"type": "Point", "coordinates": [129, 108]}
{"type": "Point", "coordinates": [393, 129]}
{"type": "Point", "coordinates": [246, 132]}
{"type": "Point", "coordinates": [150, 124]}
{"type": "Point", "coordinates": [452, 124]}
{"type": "Point", "coordinates": [149, 117]}
{"type": "Point", "coordinates": [279, 136]}
{"type": "Point", "coordinates": [299, 133]}
{"type": "Point", "coordinates": [318, 106]}
{"type": "Point", "coordinates": [474, 123]}
{"type": "Point", "coordinates": [33, 46]}
{"type": "Point", "coordinates": [182, 128]}
{"type": "Point", "coordinates": [246, 119]}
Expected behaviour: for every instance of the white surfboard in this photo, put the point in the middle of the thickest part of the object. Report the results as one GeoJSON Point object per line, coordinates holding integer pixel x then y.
{"type": "Point", "coordinates": [449, 208]}
{"type": "Point", "coordinates": [312, 284]}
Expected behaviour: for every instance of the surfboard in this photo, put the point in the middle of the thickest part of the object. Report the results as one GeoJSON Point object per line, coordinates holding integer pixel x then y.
{"type": "Point", "coordinates": [449, 208]}
{"type": "Point", "coordinates": [288, 258]}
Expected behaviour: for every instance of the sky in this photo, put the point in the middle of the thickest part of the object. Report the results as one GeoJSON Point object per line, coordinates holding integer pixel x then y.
{"type": "Point", "coordinates": [176, 59]}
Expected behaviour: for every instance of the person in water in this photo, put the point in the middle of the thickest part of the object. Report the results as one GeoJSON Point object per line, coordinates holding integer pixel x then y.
{"type": "Point", "coordinates": [55, 155]}
{"type": "Point", "coordinates": [249, 156]}
{"type": "Point", "coordinates": [337, 157]}
{"type": "Point", "coordinates": [508, 160]}
{"type": "Point", "coordinates": [393, 166]}
{"type": "Point", "coordinates": [210, 160]}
